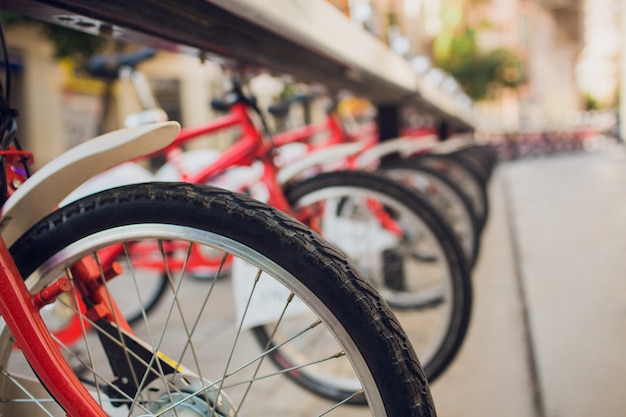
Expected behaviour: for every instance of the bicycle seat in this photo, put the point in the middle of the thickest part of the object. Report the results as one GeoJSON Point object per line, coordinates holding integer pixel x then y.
{"type": "Point", "coordinates": [108, 65]}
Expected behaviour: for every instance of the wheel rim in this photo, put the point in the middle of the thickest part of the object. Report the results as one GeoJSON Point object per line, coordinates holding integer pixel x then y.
{"type": "Point", "coordinates": [434, 276]}
{"type": "Point", "coordinates": [53, 267]}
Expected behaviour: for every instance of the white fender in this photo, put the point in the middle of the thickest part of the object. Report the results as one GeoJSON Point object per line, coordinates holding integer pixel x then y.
{"type": "Point", "coordinates": [47, 187]}
{"type": "Point", "coordinates": [454, 144]}
{"type": "Point", "coordinates": [405, 146]}
{"type": "Point", "coordinates": [319, 157]}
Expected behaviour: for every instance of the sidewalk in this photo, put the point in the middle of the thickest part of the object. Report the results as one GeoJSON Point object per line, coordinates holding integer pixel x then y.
{"type": "Point", "coordinates": [548, 331]}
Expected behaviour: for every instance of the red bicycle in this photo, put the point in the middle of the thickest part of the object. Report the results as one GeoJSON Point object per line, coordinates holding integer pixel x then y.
{"type": "Point", "coordinates": [395, 237]}
{"type": "Point", "coordinates": [402, 158]}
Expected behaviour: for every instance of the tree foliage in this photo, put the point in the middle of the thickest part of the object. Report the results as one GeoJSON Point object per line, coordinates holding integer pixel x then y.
{"type": "Point", "coordinates": [479, 72]}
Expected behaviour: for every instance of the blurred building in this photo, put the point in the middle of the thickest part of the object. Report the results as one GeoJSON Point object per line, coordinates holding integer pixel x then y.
{"type": "Point", "coordinates": [549, 40]}
{"type": "Point", "coordinates": [570, 53]}
{"type": "Point", "coordinates": [598, 64]}
{"type": "Point", "coordinates": [546, 34]}
{"type": "Point", "coordinates": [569, 50]}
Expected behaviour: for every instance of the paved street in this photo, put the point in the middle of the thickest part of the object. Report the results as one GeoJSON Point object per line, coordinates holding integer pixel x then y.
{"type": "Point", "coordinates": [548, 330]}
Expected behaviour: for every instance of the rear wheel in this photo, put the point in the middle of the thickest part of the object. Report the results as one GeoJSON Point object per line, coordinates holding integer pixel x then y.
{"type": "Point", "coordinates": [406, 251]}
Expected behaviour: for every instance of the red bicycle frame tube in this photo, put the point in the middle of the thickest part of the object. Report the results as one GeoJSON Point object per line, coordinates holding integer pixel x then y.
{"type": "Point", "coordinates": [33, 337]}
{"type": "Point", "coordinates": [250, 146]}
{"type": "Point", "coordinates": [242, 153]}
{"type": "Point", "coordinates": [335, 133]}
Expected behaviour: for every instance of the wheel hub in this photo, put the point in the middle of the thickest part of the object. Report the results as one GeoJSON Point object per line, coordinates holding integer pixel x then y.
{"type": "Point", "coordinates": [188, 407]}
{"type": "Point", "coordinates": [187, 396]}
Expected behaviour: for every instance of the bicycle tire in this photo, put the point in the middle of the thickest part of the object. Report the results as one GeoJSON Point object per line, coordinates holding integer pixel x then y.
{"type": "Point", "coordinates": [446, 197]}
{"type": "Point", "coordinates": [316, 272]}
{"type": "Point", "coordinates": [466, 180]}
{"type": "Point", "coordinates": [475, 161]}
{"type": "Point", "coordinates": [407, 304]}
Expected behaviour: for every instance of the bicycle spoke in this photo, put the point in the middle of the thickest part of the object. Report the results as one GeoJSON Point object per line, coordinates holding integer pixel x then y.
{"type": "Point", "coordinates": [265, 349]}
{"type": "Point", "coordinates": [38, 401]}
{"type": "Point", "coordinates": [286, 370]}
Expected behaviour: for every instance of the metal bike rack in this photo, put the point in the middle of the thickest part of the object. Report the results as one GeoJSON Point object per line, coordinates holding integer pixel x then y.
{"type": "Point", "coordinates": [306, 39]}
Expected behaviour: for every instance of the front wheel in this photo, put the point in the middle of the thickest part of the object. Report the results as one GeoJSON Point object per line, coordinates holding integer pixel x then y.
{"type": "Point", "coordinates": [194, 355]}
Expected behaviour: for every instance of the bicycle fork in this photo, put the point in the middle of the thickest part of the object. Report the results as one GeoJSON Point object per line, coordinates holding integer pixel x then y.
{"type": "Point", "coordinates": [20, 311]}
{"type": "Point", "coordinates": [21, 314]}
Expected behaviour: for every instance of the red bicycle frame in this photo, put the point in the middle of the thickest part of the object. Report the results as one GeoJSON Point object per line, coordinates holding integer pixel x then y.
{"type": "Point", "coordinates": [252, 146]}
{"type": "Point", "coordinates": [21, 314]}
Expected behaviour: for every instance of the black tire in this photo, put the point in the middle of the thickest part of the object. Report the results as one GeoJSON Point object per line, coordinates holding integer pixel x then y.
{"type": "Point", "coordinates": [446, 197]}
{"type": "Point", "coordinates": [402, 204]}
{"type": "Point", "coordinates": [466, 180]}
{"type": "Point", "coordinates": [315, 271]}
{"type": "Point", "coordinates": [475, 161]}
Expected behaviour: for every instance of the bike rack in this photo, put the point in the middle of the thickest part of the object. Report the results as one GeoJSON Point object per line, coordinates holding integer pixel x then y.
{"type": "Point", "coordinates": [294, 37]}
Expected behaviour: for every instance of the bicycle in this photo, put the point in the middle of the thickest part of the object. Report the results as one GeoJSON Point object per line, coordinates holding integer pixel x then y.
{"type": "Point", "coordinates": [46, 252]}
{"type": "Point", "coordinates": [442, 192]}
{"type": "Point", "coordinates": [416, 264]}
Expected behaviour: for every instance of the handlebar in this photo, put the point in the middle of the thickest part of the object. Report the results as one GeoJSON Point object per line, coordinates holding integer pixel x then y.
{"type": "Point", "coordinates": [234, 96]}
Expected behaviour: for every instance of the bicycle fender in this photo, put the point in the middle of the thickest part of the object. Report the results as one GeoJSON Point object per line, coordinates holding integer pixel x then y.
{"type": "Point", "coordinates": [47, 187]}
{"type": "Point", "coordinates": [454, 144]}
{"type": "Point", "coordinates": [404, 146]}
{"type": "Point", "coordinates": [318, 157]}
